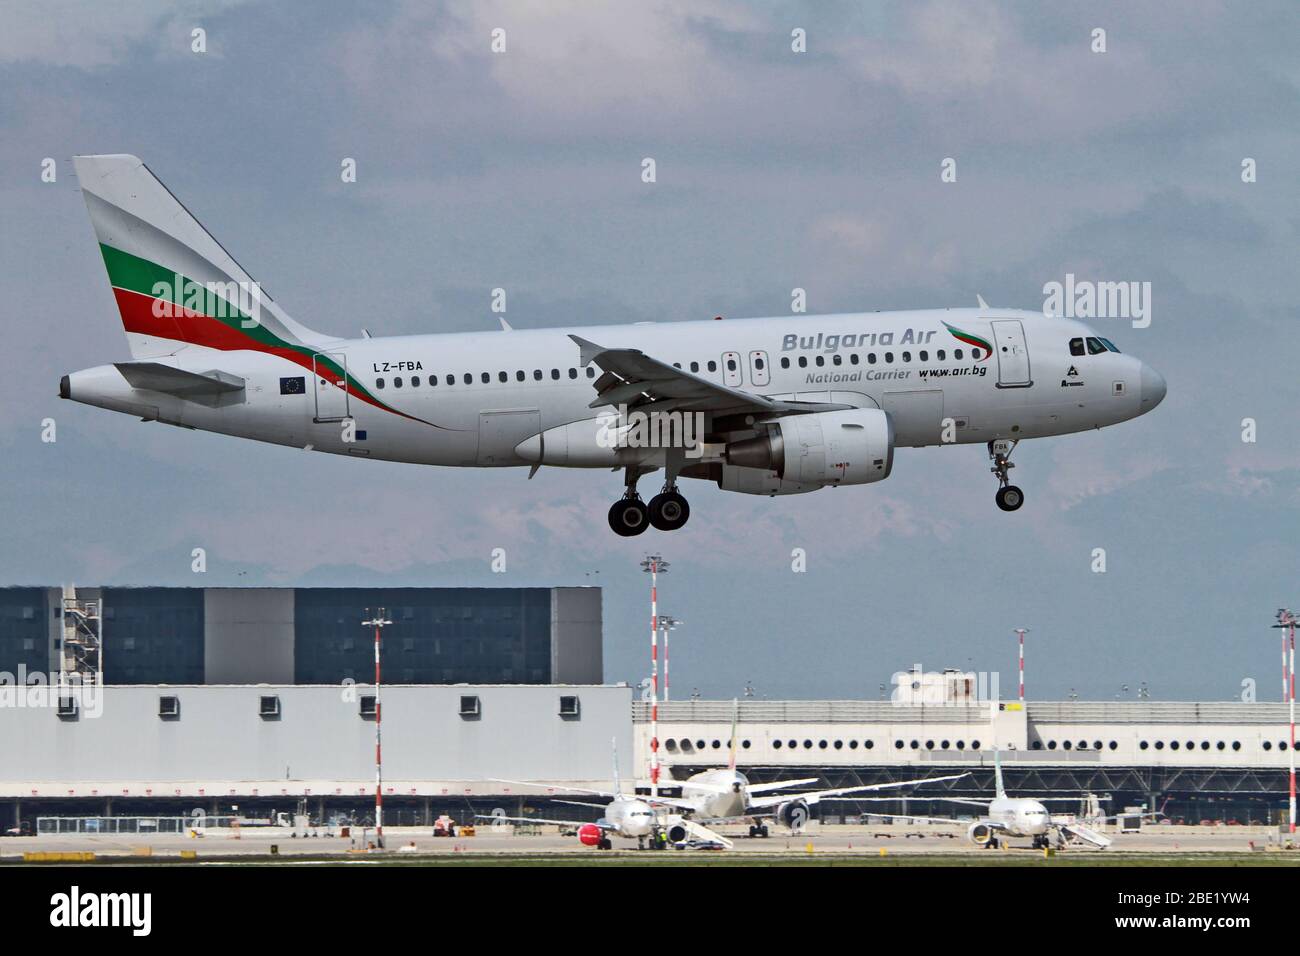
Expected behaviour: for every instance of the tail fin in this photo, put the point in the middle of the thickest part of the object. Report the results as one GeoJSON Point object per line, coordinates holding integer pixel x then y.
{"type": "Point", "coordinates": [997, 774]}
{"type": "Point", "coordinates": [175, 285]}
{"type": "Point", "coordinates": [618, 780]}
{"type": "Point", "coordinates": [735, 716]}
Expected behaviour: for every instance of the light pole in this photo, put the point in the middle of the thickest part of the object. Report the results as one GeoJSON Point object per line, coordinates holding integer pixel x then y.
{"type": "Point", "coordinates": [667, 624]}
{"type": "Point", "coordinates": [655, 565]}
{"type": "Point", "coordinates": [378, 621]}
{"type": "Point", "coordinates": [1286, 621]}
{"type": "Point", "coordinates": [1021, 632]}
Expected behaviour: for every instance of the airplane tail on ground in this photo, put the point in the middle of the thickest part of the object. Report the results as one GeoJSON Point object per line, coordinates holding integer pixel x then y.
{"type": "Point", "coordinates": [735, 717]}
{"type": "Point", "coordinates": [175, 285]}
{"type": "Point", "coordinates": [618, 780]}
{"type": "Point", "coordinates": [1001, 791]}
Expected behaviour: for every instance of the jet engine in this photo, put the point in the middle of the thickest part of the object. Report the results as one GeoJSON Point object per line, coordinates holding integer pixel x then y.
{"type": "Point", "coordinates": [591, 835]}
{"type": "Point", "coordinates": [794, 814]}
{"type": "Point", "coordinates": [850, 447]}
{"type": "Point", "coordinates": [980, 834]}
{"type": "Point", "coordinates": [677, 833]}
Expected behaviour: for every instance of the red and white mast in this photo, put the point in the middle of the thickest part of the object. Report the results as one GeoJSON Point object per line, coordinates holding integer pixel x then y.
{"type": "Point", "coordinates": [654, 564]}
{"type": "Point", "coordinates": [1021, 631]}
{"type": "Point", "coordinates": [378, 621]}
{"type": "Point", "coordinates": [1286, 621]}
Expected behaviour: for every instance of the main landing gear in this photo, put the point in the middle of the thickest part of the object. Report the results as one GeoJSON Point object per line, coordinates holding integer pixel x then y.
{"type": "Point", "coordinates": [1009, 497]}
{"type": "Point", "coordinates": [630, 516]}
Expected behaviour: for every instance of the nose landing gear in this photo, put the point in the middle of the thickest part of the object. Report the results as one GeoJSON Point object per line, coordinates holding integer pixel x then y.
{"type": "Point", "coordinates": [1009, 497]}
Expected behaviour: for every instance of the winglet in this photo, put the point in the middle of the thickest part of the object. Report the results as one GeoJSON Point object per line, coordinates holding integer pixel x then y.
{"type": "Point", "coordinates": [588, 350]}
{"type": "Point", "coordinates": [980, 299]}
{"type": "Point", "coordinates": [505, 326]}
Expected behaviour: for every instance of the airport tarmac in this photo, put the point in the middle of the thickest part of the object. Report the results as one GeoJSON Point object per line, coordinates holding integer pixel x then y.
{"type": "Point", "coordinates": [827, 842]}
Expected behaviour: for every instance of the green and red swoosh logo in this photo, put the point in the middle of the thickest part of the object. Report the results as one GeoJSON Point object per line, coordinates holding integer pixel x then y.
{"type": "Point", "coordinates": [971, 339]}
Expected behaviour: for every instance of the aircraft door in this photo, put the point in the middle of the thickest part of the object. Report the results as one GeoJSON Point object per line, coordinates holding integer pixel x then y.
{"type": "Point", "coordinates": [331, 380]}
{"type": "Point", "coordinates": [731, 369]}
{"type": "Point", "coordinates": [758, 370]}
{"type": "Point", "coordinates": [1013, 354]}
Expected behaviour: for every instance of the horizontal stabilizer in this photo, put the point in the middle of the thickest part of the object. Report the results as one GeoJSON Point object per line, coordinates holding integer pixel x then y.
{"type": "Point", "coordinates": [176, 381]}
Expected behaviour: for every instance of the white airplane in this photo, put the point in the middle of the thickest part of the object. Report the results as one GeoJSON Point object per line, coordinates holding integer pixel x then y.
{"type": "Point", "coordinates": [725, 795]}
{"type": "Point", "coordinates": [1006, 816]}
{"type": "Point", "coordinates": [625, 815]}
{"type": "Point", "coordinates": [766, 406]}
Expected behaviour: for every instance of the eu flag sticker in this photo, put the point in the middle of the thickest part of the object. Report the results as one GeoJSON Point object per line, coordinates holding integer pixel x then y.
{"type": "Point", "coordinates": [293, 385]}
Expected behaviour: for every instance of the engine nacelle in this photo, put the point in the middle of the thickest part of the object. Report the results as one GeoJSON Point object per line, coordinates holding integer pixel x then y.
{"type": "Point", "coordinates": [795, 814]}
{"type": "Point", "coordinates": [980, 834]}
{"type": "Point", "coordinates": [758, 481]}
{"type": "Point", "coordinates": [850, 447]}
{"type": "Point", "coordinates": [677, 833]}
{"type": "Point", "coordinates": [590, 834]}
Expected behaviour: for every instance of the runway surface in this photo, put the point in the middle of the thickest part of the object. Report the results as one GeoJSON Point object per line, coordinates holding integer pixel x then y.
{"type": "Point", "coordinates": [823, 844]}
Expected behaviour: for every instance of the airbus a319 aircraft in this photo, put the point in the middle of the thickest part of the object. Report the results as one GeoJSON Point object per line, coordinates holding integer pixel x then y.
{"type": "Point", "coordinates": [768, 406]}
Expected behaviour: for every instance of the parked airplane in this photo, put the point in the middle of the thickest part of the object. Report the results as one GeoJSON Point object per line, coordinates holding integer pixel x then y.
{"type": "Point", "coordinates": [1006, 816]}
{"type": "Point", "coordinates": [725, 795]}
{"type": "Point", "coordinates": [767, 406]}
{"type": "Point", "coordinates": [626, 815]}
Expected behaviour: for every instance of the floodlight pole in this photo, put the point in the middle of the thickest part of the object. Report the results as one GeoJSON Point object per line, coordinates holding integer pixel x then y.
{"type": "Point", "coordinates": [1286, 621]}
{"type": "Point", "coordinates": [666, 625]}
{"type": "Point", "coordinates": [655, 565]}
{"type": "Point", "coordinates": [1021, 632]}
{"type": "Point", "coordinates": [378, 621]}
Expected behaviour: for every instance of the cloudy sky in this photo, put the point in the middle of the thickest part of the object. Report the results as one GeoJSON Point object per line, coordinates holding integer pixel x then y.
{"type": "Point", "coordinates": [776, 170]}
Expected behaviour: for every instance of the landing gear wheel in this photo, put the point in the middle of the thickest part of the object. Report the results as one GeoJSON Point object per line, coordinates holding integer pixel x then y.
{"type": "Point", "coordinates": [753, 832]}
{"type": "Point", "coordinates": [762, 831]}
{"type": "Point", "coordinates": [628, 517]}
{"type": "Point", "coordinates": [605, 844]}
{"type": "Point", "coordinates": [1010, 498]}
{"type": "Point", "coordinates": [668, 511]}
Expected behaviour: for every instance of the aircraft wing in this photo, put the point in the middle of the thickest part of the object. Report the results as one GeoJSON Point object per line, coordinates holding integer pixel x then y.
{"type": "Point", "coordinates": [559, 823]}
{"type": "Point", "coordinates": [814, 796]}
{"type": "Point", "coordinates": [635, 379]}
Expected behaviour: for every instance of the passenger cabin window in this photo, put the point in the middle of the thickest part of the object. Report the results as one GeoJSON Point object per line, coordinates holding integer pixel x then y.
{"type": "Point", "coordinates": [695, 366]}
{"type": "Point", "coordinates": [379, 383]}
{"type": "Point", "coordinates": [713, 366]}
{"type": "Point", "coordinates": [1094, 346]}
{"type": "Point", "coordinates": [397, 382]}
{"type": "Point", "coordinates": [1076, 347]}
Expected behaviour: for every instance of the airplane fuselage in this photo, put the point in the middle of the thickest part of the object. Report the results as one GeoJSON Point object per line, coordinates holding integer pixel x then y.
{"type": "Point", "coordinates": [475, 399]}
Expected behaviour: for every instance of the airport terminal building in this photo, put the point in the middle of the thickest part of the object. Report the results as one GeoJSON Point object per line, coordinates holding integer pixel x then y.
{"type": "Point", "coordinates": [203, 699]}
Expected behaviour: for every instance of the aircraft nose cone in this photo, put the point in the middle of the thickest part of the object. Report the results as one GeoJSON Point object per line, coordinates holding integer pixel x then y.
{"type": "Point", "coordinates": [1153, 388]}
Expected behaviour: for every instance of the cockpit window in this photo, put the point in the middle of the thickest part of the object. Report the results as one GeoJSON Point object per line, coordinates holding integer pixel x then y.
{"type": "Point", "coordinates": [1076, 346]}
{"type": "Point", "coordinates": [1094, 346]}
{"type": "Point", "coordinates": [1110, 345]}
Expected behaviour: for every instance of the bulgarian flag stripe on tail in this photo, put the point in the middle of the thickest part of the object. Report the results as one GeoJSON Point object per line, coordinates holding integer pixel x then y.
{"type": "Point", "coordinates": [136, 283]}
